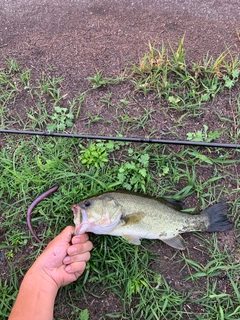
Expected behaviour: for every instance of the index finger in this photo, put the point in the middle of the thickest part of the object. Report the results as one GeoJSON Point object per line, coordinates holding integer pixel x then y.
{"type": "Point", "coordinates": [81, 238]}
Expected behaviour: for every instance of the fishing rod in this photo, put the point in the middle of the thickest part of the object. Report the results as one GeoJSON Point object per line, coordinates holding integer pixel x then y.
{"type": "Point", "coordinates": [126, 139]}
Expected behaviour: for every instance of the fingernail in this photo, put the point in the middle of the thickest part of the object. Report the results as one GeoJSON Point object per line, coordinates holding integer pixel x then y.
{"type": "Point", "coordinates": [68, 268]}
{"type": "Point", "coordinates": [66, 260]}
{"type": "Point", "coordinates": [72, 250]}
{"type": "Point", "coordinates": [77, 240]}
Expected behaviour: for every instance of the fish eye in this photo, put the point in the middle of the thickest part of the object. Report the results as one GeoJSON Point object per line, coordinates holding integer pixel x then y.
{"type": "Point", "coordinates": [87, 203]}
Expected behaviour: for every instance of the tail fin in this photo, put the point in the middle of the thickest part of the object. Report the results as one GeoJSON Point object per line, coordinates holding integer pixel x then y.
{"type": "Point", "coordinates": [218, 220]}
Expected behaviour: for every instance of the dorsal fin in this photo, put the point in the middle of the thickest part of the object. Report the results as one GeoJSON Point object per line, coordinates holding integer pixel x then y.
{"type": "Point", "coordinates": [174, 203]}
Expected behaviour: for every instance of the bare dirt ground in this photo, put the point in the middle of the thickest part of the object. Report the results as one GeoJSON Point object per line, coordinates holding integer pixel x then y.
{"type": "Point", "coordinates": [80, 37]}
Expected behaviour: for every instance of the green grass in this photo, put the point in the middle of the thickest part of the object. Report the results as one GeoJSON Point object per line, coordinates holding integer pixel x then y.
{"type": "Point", "coordinates": [137, 278]}
{"type": "Point", "coordinates": [118, 267]}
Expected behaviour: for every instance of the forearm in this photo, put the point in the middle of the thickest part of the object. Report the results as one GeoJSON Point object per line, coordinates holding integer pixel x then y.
{"type": "Point", "coordinates": [35, 300]}
{"type": "Point", "coordinates": [61, 263]}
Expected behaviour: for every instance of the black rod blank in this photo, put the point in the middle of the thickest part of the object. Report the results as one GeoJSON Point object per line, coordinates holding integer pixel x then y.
{"type": "Point", "coordinates": [140, 140]}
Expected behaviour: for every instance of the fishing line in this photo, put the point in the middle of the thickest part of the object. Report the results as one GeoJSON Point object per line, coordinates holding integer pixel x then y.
{"type": "Point", "coordinates": [126, 139]}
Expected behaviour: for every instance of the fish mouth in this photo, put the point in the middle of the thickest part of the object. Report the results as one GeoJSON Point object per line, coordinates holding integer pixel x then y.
{"type": "Point", "coordinates": [77, 213]}
{"type": "Point", "coordinates": [80, 219]}
{"type": "Point", "coordinates": [80, 229]}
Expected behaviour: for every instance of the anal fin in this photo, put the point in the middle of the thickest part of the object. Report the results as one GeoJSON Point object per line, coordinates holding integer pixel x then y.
{"type": "Point", "coordinates": [176, 242]}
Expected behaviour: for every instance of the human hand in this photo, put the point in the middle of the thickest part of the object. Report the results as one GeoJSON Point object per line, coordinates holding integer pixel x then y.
{"type": "Point", "coordinates": [64, 259]}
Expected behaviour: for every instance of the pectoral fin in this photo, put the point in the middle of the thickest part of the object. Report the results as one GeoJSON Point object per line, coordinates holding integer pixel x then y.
{"type": "Point", "coordinates": [132, 239]}
{"type": "Point", "coordinates": [176, 242]}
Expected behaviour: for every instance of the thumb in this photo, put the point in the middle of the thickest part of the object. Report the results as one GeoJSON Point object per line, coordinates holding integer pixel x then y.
{"type": "Point", "coordinates": [66, 234]}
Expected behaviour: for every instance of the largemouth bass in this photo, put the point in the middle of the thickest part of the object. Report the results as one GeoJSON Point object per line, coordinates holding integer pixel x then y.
{"type": "Point", "coordinates": [134, 217]}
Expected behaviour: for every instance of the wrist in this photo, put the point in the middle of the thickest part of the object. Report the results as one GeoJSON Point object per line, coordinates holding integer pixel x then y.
{"type": "Point", "coordinates": [36, 297]}
{"type": "Point", "coordinates": [41, 280]}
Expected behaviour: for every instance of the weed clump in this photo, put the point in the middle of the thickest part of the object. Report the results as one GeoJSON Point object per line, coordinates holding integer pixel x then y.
{"type": "Point", "coordinates": [184, 86]}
